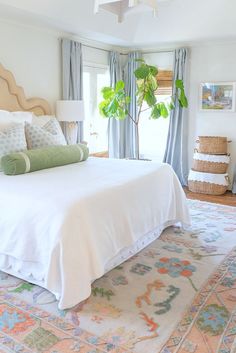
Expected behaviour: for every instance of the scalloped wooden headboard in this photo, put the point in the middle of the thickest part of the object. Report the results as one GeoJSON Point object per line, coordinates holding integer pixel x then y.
{"type": "Point", "coordinates": [12, 97]}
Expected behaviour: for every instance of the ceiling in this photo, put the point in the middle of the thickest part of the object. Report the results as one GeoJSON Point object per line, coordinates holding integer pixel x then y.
{"type": "Point", "coordinates": [178, 21]}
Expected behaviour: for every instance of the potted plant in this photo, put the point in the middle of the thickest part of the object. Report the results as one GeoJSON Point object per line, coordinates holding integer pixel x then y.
{"type": "Point", "coordinates": [115, 101]}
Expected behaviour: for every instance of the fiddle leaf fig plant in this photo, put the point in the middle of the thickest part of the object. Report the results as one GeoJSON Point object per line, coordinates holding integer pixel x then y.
{"type": "Point", "coordinates": [115, 103]}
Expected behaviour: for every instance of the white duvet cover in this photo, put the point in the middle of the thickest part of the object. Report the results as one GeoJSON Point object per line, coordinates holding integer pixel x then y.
{"type": "Point", "coordinates": [61, 228]}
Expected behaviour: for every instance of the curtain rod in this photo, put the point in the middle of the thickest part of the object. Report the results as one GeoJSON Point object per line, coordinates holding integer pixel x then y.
{"type": "Point", "coordinates": [158, 51]}
{"type": "Point", "coordinates": [144, 52]}
{"type": "Point", "coordinates": [102, 49]}
{"type": "Point", "coordinates": [92, 47]}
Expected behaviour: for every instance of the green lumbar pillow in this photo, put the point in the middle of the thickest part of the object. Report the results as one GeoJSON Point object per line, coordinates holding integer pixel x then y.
{"type": "Point", "coordinates": [49, 157]}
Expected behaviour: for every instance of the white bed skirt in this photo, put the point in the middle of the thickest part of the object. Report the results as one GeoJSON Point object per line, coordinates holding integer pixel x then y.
{"type": "Point", "coordinates": [36, 273]}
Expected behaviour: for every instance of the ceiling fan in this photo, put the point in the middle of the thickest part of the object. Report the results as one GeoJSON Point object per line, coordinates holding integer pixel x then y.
{"type": "Point", "coordinates": [123, 7]}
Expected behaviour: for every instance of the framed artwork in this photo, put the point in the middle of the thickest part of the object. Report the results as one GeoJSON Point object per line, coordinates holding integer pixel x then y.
{"type": "Point", "coordinates": [217, 96]}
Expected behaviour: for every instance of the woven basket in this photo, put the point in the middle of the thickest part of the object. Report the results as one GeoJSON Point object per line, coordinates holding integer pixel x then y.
{"type": "Point", "coordinates": [206, 188]}
{"type": "Point", "coordinates": [212, 144]}
{"type": "Point", "coordinates": [209, 167]}
{"type": "Point", "coordinates": [208, 183]}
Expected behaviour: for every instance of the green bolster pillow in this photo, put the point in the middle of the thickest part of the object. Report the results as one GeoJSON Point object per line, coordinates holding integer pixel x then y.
{"type": "Point", "coordinates": [53, 156]}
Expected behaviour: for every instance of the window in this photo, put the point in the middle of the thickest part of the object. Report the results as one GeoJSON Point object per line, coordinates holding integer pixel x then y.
{"type": "Point", "coordinates": [153, 133]}
{"type": "Point", "coordinates": [95, 127]}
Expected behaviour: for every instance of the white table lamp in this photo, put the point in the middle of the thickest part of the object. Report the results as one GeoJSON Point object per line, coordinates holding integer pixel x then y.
{"type": "Point", "coordinates": [71, 112]}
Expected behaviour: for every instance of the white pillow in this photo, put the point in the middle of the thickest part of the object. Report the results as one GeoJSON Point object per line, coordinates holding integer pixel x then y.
{"type": "Point", "coordinates": [7, 119]}
{"type": "Point", "coordinates": [12, 140]}
{"type": "Point", "coordinates": [49, 134]}
{"type": "Point", "coordinates": [42, 119]}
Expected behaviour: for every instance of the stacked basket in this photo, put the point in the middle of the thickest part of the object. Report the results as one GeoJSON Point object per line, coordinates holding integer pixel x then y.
{"type": "Point", "coordinates": [210, 164]}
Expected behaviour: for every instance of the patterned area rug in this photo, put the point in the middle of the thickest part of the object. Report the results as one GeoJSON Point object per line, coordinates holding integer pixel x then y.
{"type": "Point", "coordinates": [177, 295]}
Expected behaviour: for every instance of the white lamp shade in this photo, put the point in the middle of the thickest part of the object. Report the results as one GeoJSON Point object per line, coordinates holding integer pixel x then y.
{"type": "Point", "coordinates": [71, 110]}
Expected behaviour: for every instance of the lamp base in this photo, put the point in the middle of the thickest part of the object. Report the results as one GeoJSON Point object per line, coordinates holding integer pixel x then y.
{"type": "Point", "coordinates": [71, 132]}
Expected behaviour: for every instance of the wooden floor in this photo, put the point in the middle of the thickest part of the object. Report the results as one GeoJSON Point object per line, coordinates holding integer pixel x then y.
{"type": "Point", "coordinates": [226, 199]}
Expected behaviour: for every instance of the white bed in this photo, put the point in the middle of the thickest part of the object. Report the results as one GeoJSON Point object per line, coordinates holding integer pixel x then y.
{"type": "Point", "coordinates": [64, 227]}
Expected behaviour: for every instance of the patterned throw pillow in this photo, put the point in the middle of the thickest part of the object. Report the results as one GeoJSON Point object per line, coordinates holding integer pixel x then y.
{"type": "Point", "coordinates": [12, 140]}
{"type": "Point", "coordinates": [48, 135]}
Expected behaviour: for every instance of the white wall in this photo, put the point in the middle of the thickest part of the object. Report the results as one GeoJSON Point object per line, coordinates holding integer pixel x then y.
{"type": "Point", "coordinates": [33, 56]}
{"type": "Point", "coordinates": [215, 62]}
